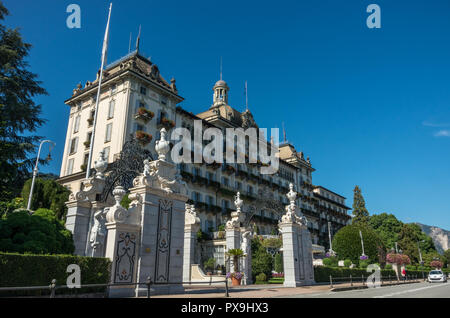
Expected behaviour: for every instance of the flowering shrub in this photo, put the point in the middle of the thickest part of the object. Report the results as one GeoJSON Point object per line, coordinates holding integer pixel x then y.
{"type": "Point", "coordinates": [405, 260]}
{"type": "Point", "coordinates": [399, 259]}
{"type": "Point", "coordinates": [393, 258]}
{"type": "Point", "coordinates": [277, 275]}
{"type": "Point", "coordinates": [144, 114]}
{"type": "Point", "coordinates": [237, 275]}
{"type": "Point", "coordinates": [168, 123]}
{"type": "Point", "coordinates": [436, 264]}
{"type": "Point", "coordinates": [143, 137]}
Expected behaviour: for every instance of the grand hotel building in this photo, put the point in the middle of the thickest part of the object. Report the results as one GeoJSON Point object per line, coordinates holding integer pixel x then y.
{"type": "Point", "coordinates": [136, 101]}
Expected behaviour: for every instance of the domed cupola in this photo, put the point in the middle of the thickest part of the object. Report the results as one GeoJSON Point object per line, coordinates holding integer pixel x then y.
{"type": "Point", "coordinates": [220, 96]}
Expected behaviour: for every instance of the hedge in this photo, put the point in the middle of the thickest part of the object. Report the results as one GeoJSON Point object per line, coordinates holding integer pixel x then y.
{"type": "Point", "coordinates": [38, 270]}
{"type": "Point", "coordinates": [322, 273]}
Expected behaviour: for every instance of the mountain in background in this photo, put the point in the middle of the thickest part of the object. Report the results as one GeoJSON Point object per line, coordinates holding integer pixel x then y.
{"type": "Point", "coordinates": [440, 236]}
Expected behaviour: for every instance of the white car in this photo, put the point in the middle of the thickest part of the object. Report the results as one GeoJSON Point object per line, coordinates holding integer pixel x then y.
{"type": "Point", "coordinates": [437, 276]}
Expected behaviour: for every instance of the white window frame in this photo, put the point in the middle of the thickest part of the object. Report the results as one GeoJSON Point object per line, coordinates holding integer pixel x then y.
{"type": "Point", "coordinates": [108, 133]}
{"type": "Point", "coordinates": [70, 166]}
{"type": "Point", "coordinates": [76, 125]}
{"type": "Point", "coordinates": [111, 108]}
{"type": "Point", "coordinates": [75, 146]}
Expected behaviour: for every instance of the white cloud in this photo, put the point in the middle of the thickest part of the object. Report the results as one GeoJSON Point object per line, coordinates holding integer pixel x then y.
{"type": "Point", "coordinates": [434, 124]}
{"type": "Point", "coordinates": [442, 133]}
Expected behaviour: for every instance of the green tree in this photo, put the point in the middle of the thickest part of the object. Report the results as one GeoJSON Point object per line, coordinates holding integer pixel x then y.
{"type": "Point", "coordinates": [262, 261]}
{"type": "Point", "coordinates": [19, 115]}
{"type": "Point", "coordinates": [47, 194]}
{"type": "Point", "coordinates": [347, 243]}
{"type": "Point", "coordinates": [409, 237]}
{"type": "Point", "coordinates": [278, 263]}
{"type": "Point", "coordinates": [360, 213]}
{"type": "Point", "coordinates": [39, 233]}
{"type": "Point", "coordinates": [430, 256]}
{"type": "Point", "coordinates": [8, 207]}
{"type": "Point", "coordinates": [446, 258]}
{"type": "Point", "coordinates": [387, 227]}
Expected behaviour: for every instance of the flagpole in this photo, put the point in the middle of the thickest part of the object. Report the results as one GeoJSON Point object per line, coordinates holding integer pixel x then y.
{"type": "Point", "coordinates": [246, 96]}
{"type": "Point", "coordinates": [97, 101]}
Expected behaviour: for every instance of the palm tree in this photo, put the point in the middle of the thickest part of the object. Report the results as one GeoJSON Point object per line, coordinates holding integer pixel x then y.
{"type": "Point", "coordinates": [236, 254]}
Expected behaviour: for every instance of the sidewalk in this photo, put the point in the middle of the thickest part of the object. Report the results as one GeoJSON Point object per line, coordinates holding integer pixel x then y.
{"type": "Point", "coordinates": [344, 287]}
{"type": "Point", "coordinates": [269, 291]}
{"type": "Point", "coordinates": [252, 291]}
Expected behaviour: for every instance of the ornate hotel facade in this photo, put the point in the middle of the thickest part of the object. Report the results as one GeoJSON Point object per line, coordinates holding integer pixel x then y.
{"type": "Point", "coordinates": [136, 101]}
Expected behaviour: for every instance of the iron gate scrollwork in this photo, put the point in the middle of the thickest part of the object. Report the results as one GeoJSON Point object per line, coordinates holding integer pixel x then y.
{"type": "Point", "coordinates": [265, 201]}
{"type": "Point", "coordinates": [129, 165]}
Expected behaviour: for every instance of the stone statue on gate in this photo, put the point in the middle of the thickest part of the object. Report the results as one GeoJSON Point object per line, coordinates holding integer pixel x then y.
{"type": "Point", "coordinates": [98, 232]}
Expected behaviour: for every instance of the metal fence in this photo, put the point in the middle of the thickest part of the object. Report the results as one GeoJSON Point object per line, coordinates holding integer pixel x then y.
{"type": "Point", "coordinates": [363, 279]}
{"type": "Point", "coordinates": [53, 287]}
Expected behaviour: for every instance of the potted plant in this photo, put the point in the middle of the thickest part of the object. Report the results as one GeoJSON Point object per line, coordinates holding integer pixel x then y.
{"type": "Point", "coordinates": [210, 265]}
{"type": "Point", "coordinates": [236, 276]}
{"type": "Point", "coordinates": [144, 114]}
{"type": "Point", "coordinates": [143, 137]}
{"type": "Point", "coordinates": [167, 123]}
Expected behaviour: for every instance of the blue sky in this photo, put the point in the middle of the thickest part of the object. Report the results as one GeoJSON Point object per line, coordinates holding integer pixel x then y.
{"type": "Point", "coordinates": [369, 106]}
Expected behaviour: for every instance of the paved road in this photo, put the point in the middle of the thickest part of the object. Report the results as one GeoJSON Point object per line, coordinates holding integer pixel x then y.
{"type": "Point", "coordinates": [417, 290]}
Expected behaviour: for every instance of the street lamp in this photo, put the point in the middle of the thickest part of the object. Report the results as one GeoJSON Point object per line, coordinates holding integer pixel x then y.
{"type": "Point", "coordinates": [35, 170]}
{"type": "Point", "coordinates": [420, 256]}
{"type": "Point", "coordinates": [332, 253]}
{"type": "Point", "coordinates": [362, 243]}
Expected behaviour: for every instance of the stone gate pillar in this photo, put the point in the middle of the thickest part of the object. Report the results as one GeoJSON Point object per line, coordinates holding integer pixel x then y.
{"type": "Point", "coordinates": [122, 244]}
{"type": "Point", "coordinates": [297, 246]}
{"type": "Point", "coordinates": [162, 219]}
{"type": "Point", "coordinates": [233, 229]}
{"type": "Point", "coordinates": [191, 227]}
{"type": "Point", "coordinates": [81, 210]}
{"type": "Point", "coordinates": [246, 262]}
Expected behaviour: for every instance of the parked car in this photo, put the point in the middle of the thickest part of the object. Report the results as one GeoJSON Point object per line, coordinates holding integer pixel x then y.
{"type": "Point", "coordinates": [437, 276]}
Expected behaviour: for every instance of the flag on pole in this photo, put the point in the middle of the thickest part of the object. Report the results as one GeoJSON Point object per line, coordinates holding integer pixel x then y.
{"type": "Point", "coordinates": [138, 39]}
{"type": "Point", "coordinates": [103, 62]}
{"type": "Point", "coordinates": [105, 40]}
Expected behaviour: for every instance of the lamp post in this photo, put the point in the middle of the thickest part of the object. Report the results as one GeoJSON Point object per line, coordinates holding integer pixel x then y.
{"type": "Point", "coordinates": [420, 253]}
{"type": "Point", "coordinates": [329, 237]}
{"type": "Point", "coordinates": [362, 243]}
{"type": "Point", "coordinates": [35, 170]}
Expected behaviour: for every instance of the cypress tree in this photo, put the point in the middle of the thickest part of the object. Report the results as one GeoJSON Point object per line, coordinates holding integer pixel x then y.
{"type": "Point", "coordinates": [360, 213]}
